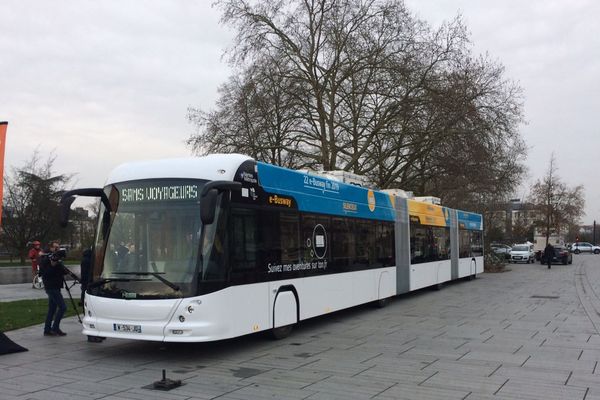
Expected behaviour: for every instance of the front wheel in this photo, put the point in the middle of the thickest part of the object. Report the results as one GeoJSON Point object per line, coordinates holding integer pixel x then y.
{"type": "Point", "coordinates": [596, 251]}
{"type": "Point", "coordinates": [282, 332]}
{"type": "Point", "coordinates": [577, 251]}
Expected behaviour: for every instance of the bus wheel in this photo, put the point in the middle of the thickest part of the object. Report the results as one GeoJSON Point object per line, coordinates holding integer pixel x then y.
{"type": "Point", "coordinates": [382, 302]}
{"type": "Point", "coordinates": [282, 332]}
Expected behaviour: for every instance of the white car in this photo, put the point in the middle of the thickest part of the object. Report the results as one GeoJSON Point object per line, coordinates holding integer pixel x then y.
{"type": "Point", "coordinates": [581, 247]}
{"type": "Point", "coordinates": [522, 253]}
{"type": "Point", "coordinates": [502, 250]}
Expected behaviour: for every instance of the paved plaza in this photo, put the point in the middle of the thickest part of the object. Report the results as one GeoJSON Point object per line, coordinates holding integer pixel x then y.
{"type": "Point", "coordinates": [530, 333]}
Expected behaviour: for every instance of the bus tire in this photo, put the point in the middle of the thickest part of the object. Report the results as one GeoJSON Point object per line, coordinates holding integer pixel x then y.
{"type": "Point", "coordinates": [282, 332]}
{"type": "Point", "coordinates": [382, 302]}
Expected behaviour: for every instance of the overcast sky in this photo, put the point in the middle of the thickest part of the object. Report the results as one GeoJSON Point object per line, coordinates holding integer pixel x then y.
{"type": "Point", "coordinates": [107, 82]}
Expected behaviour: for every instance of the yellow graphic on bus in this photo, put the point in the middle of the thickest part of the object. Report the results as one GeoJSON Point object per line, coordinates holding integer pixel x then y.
{"type": "Point", "coordinates": [426, 213]}
{"type": "Point", "coordinates": [371, 200]}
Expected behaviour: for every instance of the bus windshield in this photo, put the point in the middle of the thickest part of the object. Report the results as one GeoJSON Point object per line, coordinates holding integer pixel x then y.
{"type": "Point", "coordinates": [147, 244]}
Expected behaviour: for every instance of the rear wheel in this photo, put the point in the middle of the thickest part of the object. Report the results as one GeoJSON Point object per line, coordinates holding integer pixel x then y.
{"type": "Point", "coordinates": [382, 302]}
{"type": "Point", "coordinates": [564, 261]}
{"type": "Point", "coordinates": [282, 332]}
{"type": "Point", "coordinates": [577, 251]}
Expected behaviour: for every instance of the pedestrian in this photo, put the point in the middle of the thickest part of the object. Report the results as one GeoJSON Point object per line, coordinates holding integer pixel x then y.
{"type": "Point", "coordinates": [86, 266]}
{"type": "Point", "coordinates": [549, 254]}
{"type": "Point", "coordinates": [53, 270]}
{"type": "Point", "coordinates": [33, 255]}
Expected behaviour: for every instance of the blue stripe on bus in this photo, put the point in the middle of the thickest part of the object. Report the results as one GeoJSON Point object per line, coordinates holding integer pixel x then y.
{"type": "Point", "coordinates": [470, 220]}
{"type": "Point", "coordinates": [321, 195]}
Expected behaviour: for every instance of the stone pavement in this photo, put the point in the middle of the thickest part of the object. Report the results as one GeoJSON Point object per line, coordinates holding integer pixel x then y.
{"type": "Point", "coordinates": [531, 333]}
{"type": "Point", "coordinates": [24, 291]}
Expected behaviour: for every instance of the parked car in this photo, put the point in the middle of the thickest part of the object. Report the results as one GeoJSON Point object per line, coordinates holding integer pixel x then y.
{"type": "Point", "coordinates": [502, 250]}
{"type": "Point", "coordinates": [561, 255]}
{"type": "Point", "coordinates": [522, 253]}
{"type": "Point", "coordinates": [582, 247]}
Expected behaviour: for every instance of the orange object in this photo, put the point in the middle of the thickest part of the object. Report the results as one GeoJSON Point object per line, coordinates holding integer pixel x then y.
{"type": "Point", "coordinates": [3, 126]}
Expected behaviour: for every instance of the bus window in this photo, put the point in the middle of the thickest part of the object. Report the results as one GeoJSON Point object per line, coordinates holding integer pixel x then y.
{"type": "Point", "coordinates": [244, 239]}
{"type": "Point", "coordinates": [441, 238]}
{"type": "Point", "coordinates": [464, 243]}
{"type": "Point", "coordinates": [476, 243]}
{"type": "Point", "coordinates": [343, 248]}
{"type": "Point", "coordinates": [213, 248]}
{"type": "Point", "coordinates": [385, 244]}
{"type": "Point", "coordinates": [315, 238]}
{"type": "Point", "coordinates": [289, 235]}
{"type": "Point", "coordinates": [365, 243]}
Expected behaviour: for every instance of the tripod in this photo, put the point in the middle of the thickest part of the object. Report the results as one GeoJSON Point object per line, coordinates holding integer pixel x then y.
{"type": "Point", "coordinates": [75, 281]}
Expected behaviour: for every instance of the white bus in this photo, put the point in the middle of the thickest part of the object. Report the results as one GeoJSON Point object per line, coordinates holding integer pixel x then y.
{"type": "Point", "coordinates": [209, 248]}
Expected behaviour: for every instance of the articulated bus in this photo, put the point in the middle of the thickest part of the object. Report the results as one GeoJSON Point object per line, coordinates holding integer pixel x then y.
{"type": "Point", "coordinates": [209, 248]}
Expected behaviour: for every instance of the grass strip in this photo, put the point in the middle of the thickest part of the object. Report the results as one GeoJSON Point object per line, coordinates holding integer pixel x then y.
{"type": "Point", "coordinates": [23, 313]}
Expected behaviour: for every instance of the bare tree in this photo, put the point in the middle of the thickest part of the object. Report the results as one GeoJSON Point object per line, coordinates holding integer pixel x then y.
{"type": "Point", "coordinates": [366, 87]}
{"type": "Point", "coordinates": [30, 209]}
{"type": "Point", "coordinates": [561, 206]}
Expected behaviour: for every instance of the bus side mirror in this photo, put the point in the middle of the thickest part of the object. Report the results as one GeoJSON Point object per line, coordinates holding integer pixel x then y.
{"type": "Point", "coordinates": [207, 206]}
{"type": "Point", "coordinates": [65, 210]}
{"type": "Point", "coordinates": [208, 198]}
{"type": "Point", "coordinates": [68, 198]}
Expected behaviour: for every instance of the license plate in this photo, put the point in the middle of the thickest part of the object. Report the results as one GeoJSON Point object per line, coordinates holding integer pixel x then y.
{"type": "Point", "coordinates": [127, 328]}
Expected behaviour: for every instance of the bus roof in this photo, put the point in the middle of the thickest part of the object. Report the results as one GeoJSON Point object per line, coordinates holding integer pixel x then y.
{"type": "Point", "coordinates": [314, 193]}
{"type": "Point", "coordinates": [211, 167]}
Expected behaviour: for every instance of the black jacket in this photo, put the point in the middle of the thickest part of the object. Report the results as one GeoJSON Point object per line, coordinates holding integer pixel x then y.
{"type": "Point", "coordinates": [52, 275]}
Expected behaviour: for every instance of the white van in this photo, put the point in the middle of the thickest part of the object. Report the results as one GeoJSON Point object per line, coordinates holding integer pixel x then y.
{"type": "Point", "coordinates": [522, 253]}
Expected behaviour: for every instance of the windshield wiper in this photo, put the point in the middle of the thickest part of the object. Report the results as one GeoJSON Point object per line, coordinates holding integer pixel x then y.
{"type": "Point", "coordinates": [154, 274]}
{"type": "Point", "coordinates": [106, 280]}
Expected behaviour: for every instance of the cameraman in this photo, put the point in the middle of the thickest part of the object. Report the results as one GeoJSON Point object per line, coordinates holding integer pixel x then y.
{"type": "Point", "coordinates": [52, 271]}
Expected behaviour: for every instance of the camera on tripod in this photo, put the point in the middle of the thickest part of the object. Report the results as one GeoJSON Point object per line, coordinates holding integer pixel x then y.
{"type": "Point", "coordinates": [58, 255]}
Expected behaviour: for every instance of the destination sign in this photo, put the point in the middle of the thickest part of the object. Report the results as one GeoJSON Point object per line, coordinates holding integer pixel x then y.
{"type": "Point", "coordinates": [159, 193]}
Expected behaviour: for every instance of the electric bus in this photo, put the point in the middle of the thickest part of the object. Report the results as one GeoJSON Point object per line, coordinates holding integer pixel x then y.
{"type": "Point", "coordinates": [215, 247]}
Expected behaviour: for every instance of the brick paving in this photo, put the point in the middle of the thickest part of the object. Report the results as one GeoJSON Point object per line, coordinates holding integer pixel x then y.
{"type": "Point", "coordinates": [530, 333]}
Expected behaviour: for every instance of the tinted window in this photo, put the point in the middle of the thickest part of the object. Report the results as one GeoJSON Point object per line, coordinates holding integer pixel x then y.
{"type": "Point", "coordinates": [244, 239]}
{"type": "Point", "coordinates": [428, 243]}
{"type": "Point", "coordinates": [476, 238]}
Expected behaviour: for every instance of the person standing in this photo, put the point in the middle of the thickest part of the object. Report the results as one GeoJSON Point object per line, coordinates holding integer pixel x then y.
{"type": "Point", "coordinates": [33, 255]}
{"type": "Point", "coordinates": [52, 271]}
{"type": "Point", "coordinates": [549, 254]}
